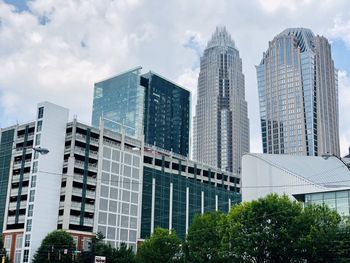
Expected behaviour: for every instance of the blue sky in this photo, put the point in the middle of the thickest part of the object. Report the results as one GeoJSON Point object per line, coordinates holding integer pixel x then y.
{"type": "Point", "coordinates": [56, 50]}
{"type": "Point", "coordinates": [341, 54]}
{"type": "Point", "coordinates": [20, 4]}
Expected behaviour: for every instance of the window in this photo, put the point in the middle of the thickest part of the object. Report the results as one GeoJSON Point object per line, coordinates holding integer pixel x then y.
{"type": "Point", "coordinates": [103, 204]}
{"type": "Point", "coordinates": [17, 256]}
{"type": "Point", "coordinates": [127, 171]}
{"type": "Point", "coordinates": [30, 210]}
{"type": "Point", "coordinates": [35, 167]}
{"type": "Point", "coordinates": [36, 155]}
{"type": "Point", "coordinates": [26, 255]}
{"type": "Point", "coordinates": [39, 126]}
{"type": "Point", "coordinates": [75, 241]}
{"type": "Point", "coordinates": [19, 240]}
{"type": "Point", "coordinates": [102, 218]}
{"type": "Point", "coordinates": [29, 225]}
{"type": "Point", "coordinates": [31, 195]}
{"type": "Point", "coordinates": [112, 219]}
{"type": "Point", "coordinates": [27, 240]}
{"type": "Point", "coordinates": [41, 112]}
{"type": "Point", "coordinates": [87, 244]}
{"type": "Point", "coordinates": [33, 182]}
{"type": "Point", "coordinates": [7, 245]}
{"type": "Point", "coordinates": [37, 139]}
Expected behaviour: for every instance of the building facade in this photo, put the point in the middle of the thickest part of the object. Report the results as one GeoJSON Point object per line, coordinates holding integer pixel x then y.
{"type": "Point", "coordinates": [293, 175]}
{"type": "Point", "coordinates": [298, 95]}
{"type": "Point", "coordinates": [119, 101]}
{"type": "Point", "coordinates": [97, 180]}
{"type": "Point", "coordinates": [308, 179]}
{"type": "Point", "coordinates": [145, 105]}
{"type": "Point", "coordinates": [221, 125]}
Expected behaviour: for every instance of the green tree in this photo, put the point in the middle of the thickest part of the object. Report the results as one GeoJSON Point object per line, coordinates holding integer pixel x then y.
{"type": "Point", "coordinates": [203, 241]}
{"type": "Point", "coordinates": [52, 248]}
{"type": "Point", "coordinates": [275, 229]}
{"type": "Point", "coordinates": [163, 247]}
{"type": "Point", "coordinates": [260, 231]}
{"type": "Point", "coordinates": [319, 232]}
{"type": "Point", "coordinates": [113, 255]}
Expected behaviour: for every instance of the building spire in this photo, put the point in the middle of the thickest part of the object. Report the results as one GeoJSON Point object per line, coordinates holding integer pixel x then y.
{"type": "Point", "coordinates": [221, 38]}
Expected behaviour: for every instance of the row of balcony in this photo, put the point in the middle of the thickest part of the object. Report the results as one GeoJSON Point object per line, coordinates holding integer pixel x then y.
{"type": "Point", "coordinates": [13, 205]}
{"type": "Point", "coordinates": [11, 219]}
{"type": "Point", "coordinates": [75, 220]}
{"type": "Point", "coordinates": [81, 150]}
{"type": "Point", "coordinates": [82, 137]}
{"type": "Point", "coordinates": [19, 137]}
{"type": "Point", "coordinates": [17, 164]}
{"type": "Point", "coordinates": [72, 220]}
{"type": "Point", "coordinates": [15, 178]}
{"type": "Point", "coordinates": [77, 206]}
{"type": "Point", "coordinates": [14, 192]}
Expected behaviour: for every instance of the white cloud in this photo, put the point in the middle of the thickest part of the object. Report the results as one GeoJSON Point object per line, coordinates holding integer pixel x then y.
{"type": "Point", "coordinates": [60, 48]}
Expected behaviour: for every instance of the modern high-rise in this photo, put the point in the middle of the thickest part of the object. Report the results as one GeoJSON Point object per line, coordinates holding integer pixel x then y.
{"type": "Point", "coordinates": [145, 105]}
{"type": "Point", "coordinates": [298, 95]}
{"type": "Point", "coordinates": [221, 125]}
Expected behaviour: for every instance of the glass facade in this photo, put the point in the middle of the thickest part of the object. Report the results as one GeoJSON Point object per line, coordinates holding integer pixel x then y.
{"type": "Point", "coordinates": [337, 200]}
{"type": "Point", "coordinates": [180, 185]}
{"type": "Point", "coordinates": [146, 105]}
{"type": "Point", "coordinates": [5, 162]}
{"type": "Point", "coordinates": [119, 101]}
{"type": "Point", "coordinates": [297, 95]}
{"type": "Point", "coordinates": [167, 114]}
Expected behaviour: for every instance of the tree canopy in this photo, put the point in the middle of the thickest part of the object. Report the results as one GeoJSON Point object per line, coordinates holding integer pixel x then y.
{"type": "Point", "coordinates": [163, 246]}
{"type": "Point", "coordinates": [52, 248]}
{"type": "Point", "coordinates": [275, 229]}
{"type": "Point", "coordinates": [203, 242]}
{"type": "Point", "coordinates": [121, 254]}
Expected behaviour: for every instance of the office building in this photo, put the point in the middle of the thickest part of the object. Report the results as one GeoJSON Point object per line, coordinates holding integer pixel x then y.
{"type": "Point", "coordinates": [98, 180]}
{"type": "Point", "coordinates": [145, 105]}
{"type": "Point", "coordinates": [221, 125]}
{"type": "Point", "coordinates": [298, 95]}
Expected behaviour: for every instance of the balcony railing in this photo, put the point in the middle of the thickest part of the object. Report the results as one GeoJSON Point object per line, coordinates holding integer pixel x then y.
{"type": "Point", "coordinates": [79, 191]}
{"type": "Point", "coordinates": [11, 219]}
{"type": "Point", "coordinates": [13, 205]}
{"type": "Point", "coordinates": [76, 220]}
{"type": "Point", "coordinates": [81, 164]}
{"type": "Point", "coordinates": [80, 178]}
{"type": "Point", "coordinates": [14, 192]}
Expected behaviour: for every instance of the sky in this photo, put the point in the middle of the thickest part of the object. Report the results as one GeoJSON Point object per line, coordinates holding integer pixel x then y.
{"type": "Point", "coordinates": [56, 50]}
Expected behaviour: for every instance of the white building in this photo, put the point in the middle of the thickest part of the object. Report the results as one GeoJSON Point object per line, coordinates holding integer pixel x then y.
{"type": "Point", "coordinates": [295, 176]}
{"type": "Point", "coordinates": [96, 180]}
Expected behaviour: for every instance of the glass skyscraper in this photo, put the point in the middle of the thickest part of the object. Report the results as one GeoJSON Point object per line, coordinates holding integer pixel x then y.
{"type": "Point", "coordinates": [167, 114]}
{"type": "Point", "coordinates": [298, 95]}
{"type": "Point", "coordinates": [119, 102]}
{"type": "Point", "coordinates": [221, 125]}
{"type": "Point", "coordinates": [145, 105]}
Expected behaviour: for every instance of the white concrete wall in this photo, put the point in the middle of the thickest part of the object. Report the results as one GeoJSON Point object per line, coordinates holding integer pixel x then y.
{"type": "Point", "coordinates": [49, 175]}
{"type": "Point", "coordinates": [260, 178]}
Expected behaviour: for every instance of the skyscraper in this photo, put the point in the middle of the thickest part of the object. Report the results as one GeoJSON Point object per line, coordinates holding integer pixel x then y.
{"type": "Point", "coordinates": [298, 95]}
{"type": "Point", "coordinates": [221, 125]}
{"type": "Point", "coordinates": [148, 105]}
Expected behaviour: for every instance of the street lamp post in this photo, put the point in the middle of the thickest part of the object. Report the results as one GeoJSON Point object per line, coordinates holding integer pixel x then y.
{"type": "Point", "coordinates": [40, 150]}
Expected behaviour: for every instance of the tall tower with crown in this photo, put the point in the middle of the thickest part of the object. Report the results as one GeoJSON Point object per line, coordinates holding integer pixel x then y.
{"type": "Point", "coordinates": [221, 125]}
